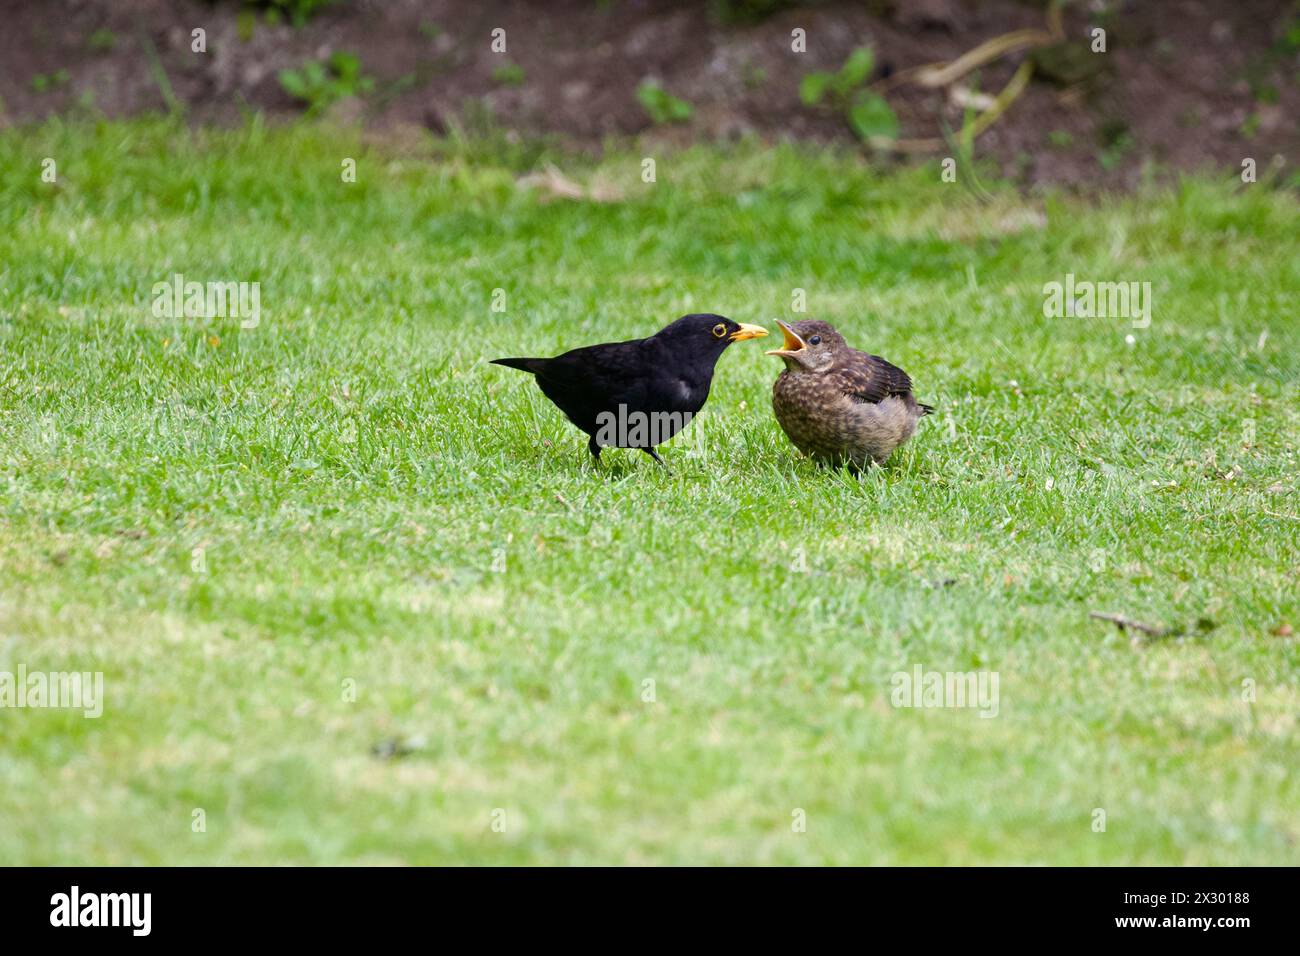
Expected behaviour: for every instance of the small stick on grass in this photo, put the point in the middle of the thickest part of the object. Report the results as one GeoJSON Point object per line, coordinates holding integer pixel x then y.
{"type": "Point", "coordinates": [1127, 623]}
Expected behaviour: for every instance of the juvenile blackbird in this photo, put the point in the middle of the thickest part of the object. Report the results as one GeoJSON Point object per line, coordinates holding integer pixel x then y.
{"type": "Point", "coordinates": [637, 394]}
{"type": "Point", "coordinates": [839, 405]}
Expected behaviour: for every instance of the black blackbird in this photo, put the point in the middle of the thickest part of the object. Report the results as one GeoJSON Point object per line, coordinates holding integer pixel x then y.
{"type": "Point", "coordinates": [640, 393]}
{"type": "Point", "coordinates": [839, 405]}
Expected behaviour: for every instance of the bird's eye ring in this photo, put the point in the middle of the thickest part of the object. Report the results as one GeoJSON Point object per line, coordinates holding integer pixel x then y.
{"type": "Point", "coordinates": [815, 340]}
{"type": "Point", "coordinates": [719, 330]}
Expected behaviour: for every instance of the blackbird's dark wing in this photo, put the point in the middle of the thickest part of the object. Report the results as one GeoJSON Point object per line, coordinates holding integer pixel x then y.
{"type": "Point", "coordinates": [597, 378]}
{"type": "Point", "coordinates": [869, 378]}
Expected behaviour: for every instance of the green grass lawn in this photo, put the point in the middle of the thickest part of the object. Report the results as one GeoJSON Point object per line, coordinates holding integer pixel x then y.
{"type": "Point", "coordinates": [419, 610]}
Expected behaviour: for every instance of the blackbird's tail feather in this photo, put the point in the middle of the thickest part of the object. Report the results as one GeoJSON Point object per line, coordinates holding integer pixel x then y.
{"type": "Point", "coordinates": [533, 365]}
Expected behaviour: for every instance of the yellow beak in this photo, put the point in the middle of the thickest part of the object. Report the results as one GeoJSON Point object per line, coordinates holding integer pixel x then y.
{"type": "Point", "coordinates": [748, 332]}
{"type": "Point", "coordinates": [792, 341]}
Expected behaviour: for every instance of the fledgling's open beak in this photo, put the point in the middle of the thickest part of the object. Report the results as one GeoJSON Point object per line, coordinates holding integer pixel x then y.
{"type": "Point", "coordinates": [792, 342]}
{"type": "Point", "coordinates": [747, 331]}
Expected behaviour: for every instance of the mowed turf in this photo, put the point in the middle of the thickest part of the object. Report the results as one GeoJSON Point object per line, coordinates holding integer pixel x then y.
{"type": "Point", "coordinates": [422, 628]}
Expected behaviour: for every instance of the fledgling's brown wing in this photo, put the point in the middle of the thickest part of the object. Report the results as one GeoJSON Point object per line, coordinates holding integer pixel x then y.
{"type": "Point", "coordinates": [869, 378]}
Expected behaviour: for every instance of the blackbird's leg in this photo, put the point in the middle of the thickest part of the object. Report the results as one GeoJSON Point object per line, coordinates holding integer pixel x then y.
{"type": "Point", "coordinates": [859, 467]}
{"type": "Point", "coordinates": [655, 455]}
{"type": "Point", "coordinates": [594, 449]}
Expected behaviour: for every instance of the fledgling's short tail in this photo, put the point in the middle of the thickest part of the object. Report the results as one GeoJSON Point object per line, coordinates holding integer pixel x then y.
{"type": "Point", "coordinates": [533, 365]}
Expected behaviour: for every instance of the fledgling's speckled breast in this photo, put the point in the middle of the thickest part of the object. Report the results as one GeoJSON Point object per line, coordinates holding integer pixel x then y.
{"type": "Point", "coordinates": [829, 425]}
